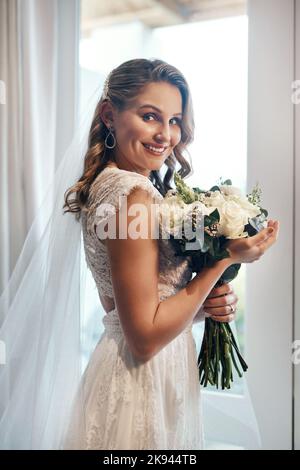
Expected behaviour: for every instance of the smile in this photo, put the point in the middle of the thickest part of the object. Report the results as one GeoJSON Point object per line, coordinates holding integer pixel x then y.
{"type": "Point", "coordinates": [155, 150]}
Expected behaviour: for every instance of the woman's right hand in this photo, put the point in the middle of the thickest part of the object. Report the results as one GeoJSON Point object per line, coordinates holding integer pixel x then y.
{"type": "Point", "coordinates": [247, 250]}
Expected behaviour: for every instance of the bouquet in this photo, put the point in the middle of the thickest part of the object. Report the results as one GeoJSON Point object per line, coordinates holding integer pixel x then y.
{"type": "Point", "coordinates": [199, 223]}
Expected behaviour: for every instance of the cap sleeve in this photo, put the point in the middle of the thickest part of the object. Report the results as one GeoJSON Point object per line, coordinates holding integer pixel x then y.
{"type": "Point", "coordinates": [108, 193]}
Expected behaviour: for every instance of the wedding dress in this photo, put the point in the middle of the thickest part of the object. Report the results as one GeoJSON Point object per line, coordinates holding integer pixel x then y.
{"type": "Point", "coordinates": [129, 403]}
{"type": "Point", "coordinates": [46, 325]}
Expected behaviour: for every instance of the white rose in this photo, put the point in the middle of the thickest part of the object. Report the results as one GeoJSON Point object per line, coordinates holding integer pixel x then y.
{"type": "Point", "coordinates": [171, 214]}
{"type": "Point", "coordinates": [200, 207]}
{"type": "Point", "coordinates": [235, 211]}
{"type": "Point", "coordinates": [232, 220]}
{"type": "Point", "coordinates": [214, 199]}
{"type": "Point", "coordinates": [176, 216]}
{"type": "Point", "coordinates": [229, 190]}
{"type": "Point", "coordinates": [247, 206]}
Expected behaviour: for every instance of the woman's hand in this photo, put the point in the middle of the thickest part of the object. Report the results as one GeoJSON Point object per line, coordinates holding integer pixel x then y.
{"type": "Point", "coordinates": [247, 250]}
{"type": "Point", "coordinates": [220, 305]}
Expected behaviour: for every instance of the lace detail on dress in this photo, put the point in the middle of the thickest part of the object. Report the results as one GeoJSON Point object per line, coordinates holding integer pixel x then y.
{"type": "Point", "coordinates": [135, 403]}
{"type": "Point", "coordinates": [107, 188]}
{"type": "Point", "coordinates": [129, 403]}
{"type": "Point", "coordinates": [128, 385]}
{"type": "Point", "coordinates": [110, 185]}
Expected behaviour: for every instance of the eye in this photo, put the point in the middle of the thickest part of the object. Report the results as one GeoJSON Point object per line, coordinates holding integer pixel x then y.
{"type": "Point", "coordinates": [147, 115]}
{"type": "Point", "coordinates": [178, 120]}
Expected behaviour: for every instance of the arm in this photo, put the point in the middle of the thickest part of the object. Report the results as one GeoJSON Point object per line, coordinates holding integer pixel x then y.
{"type": "Point", "coordinates": [175, 313]}
{"type": "Point", "coordinates": [200, 315]}
{"type": "Point", "coordinates": [149, 324]}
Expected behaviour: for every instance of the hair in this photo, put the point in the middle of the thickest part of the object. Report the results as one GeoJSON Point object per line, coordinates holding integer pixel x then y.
{"type": "Point", "coordinates": [122, 85]}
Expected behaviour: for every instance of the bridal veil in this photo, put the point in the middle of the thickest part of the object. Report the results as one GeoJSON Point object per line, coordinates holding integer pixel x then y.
{"type": "Point", "coordinates": [46, 329]}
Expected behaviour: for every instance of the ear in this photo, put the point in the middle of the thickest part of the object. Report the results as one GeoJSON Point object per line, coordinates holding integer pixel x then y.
{"type": "Point", "coordinates": [106, 113]}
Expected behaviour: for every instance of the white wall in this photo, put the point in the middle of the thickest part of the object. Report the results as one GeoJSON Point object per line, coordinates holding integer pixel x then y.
{"type": "Point", "coordinates": [271, 160]}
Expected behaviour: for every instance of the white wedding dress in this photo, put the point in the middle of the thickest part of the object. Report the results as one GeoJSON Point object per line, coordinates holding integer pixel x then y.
{"type": "Point", "coordinates": [127, 403]}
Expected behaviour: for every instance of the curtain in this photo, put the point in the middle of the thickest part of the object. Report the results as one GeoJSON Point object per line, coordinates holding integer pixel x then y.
{"type": "Point", "coordinates": [38, 109]}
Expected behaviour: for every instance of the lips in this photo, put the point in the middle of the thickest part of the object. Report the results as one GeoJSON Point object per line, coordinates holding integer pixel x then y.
{"type": "Point", "coordinates": [155, 149]}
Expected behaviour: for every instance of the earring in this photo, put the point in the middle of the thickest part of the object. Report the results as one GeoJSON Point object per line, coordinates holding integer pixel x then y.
{"type": "Point", "coordinates": [106, 139]}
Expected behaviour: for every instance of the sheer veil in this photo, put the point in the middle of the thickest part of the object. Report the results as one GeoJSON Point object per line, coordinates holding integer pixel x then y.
{"type": "Point", "coordinates": [42, 313]}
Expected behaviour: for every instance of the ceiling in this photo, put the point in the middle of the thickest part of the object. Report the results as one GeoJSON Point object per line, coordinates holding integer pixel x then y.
{"type": "Point", "coordinates": [155, 13]}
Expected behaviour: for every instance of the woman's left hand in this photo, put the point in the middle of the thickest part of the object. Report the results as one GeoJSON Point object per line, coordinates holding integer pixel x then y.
{"type": "Point", "coordinates": [220, 305]}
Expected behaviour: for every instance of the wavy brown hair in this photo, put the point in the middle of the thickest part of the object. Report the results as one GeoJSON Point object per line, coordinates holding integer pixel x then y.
{"type": "Point", "coordinates": [123, 84]}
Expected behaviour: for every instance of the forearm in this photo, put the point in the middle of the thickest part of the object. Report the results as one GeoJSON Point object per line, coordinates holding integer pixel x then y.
{"type": "Point", "coordinates": [175, 313]}
{"type": "Point", "coordinates": [200, 315]}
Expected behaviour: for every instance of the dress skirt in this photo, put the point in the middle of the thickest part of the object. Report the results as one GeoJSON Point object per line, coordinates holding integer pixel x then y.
{"type": "Point", "coordinates": [126, 404]}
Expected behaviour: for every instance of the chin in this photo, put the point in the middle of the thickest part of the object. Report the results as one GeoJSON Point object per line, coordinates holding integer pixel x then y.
{"type": "Point", "coordinates": [155, 166]}
{"type": "Point", "coordinates": [157, 163]}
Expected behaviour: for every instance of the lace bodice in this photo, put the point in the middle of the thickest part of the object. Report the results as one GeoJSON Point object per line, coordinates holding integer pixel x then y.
{"type": "Point", "coordinates": [110, 184]}
{"type": "Point", "coordinates": [132, 404]}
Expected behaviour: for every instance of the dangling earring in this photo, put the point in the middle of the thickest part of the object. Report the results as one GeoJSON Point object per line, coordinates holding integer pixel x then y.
{"type": "Point", "coordinates": [113, 137]}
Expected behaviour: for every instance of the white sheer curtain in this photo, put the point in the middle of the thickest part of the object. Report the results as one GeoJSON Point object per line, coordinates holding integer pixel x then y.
{"type": "Point", "coordinates": [39, 71]}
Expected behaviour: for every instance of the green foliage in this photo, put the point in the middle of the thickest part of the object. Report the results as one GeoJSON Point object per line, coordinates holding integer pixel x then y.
{"type": "Point", "coordinates": [219, 352]}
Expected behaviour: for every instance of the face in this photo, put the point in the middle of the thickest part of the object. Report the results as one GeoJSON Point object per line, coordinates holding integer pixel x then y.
{"type": "Point", "coordinates": [148, 131]}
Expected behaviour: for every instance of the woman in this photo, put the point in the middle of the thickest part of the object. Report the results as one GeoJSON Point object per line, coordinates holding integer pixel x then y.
{"type": "Point", "coordinates": [141, 387]}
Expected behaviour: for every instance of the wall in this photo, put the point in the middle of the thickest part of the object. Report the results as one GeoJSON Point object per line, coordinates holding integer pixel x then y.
{"type": "Point", "coordinates": [270, 283]}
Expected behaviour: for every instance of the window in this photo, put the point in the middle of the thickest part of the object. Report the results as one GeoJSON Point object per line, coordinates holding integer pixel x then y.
{"type": "Point", "coordinates": [213, 57]}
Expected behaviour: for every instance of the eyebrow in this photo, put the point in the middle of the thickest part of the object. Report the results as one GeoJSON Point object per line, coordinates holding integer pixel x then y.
{"type": "Point", "coordinates": [157, 109]}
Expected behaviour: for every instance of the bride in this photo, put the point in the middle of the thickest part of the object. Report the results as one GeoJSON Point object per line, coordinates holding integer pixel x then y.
{"type": "Point", "coordinates": [140, 389]}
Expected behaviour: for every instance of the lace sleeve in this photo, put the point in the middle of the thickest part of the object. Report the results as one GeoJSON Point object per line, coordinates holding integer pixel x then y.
{"type": "Point", "coordinates": [108, 194]}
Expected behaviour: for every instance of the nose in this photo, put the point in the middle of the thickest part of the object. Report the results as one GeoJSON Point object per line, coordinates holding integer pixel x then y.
{"type": "Point", "coordinates": [163, 135]}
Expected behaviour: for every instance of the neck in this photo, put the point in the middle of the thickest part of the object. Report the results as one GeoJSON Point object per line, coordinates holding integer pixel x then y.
{"type": "Point", "coordinates": [124, 166]}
